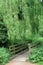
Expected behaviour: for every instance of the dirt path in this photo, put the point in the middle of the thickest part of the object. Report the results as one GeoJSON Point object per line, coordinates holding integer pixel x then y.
{"type": "Point", "coordinates": [20, 63]}
{"type": "Point", "coordinates": [21, 57]}
{"type": "Point", "coordinates": [20, 60]}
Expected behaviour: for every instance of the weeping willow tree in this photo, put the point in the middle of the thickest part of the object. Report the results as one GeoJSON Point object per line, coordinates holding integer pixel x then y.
{"type": "Point", "coordinates": [17, 21]}
{"type": "Point", "coordinates": [34, 8]}
{"type": "Point", "coordinates": [34, 12]}
{"type": "Point", "coordinates": [21, 18]}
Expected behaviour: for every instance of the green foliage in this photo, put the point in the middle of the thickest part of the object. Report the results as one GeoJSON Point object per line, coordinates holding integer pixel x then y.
{"type": "Point", "coordinates": [16, 29]}
{"type": "Point", "coordinates": [20, 29]}
{"type": "Point", "coordinates": [4, 56]}
{"type": "Point", "coordinates": [30, 10]}
{"type": "Point", "coordinates": [36, 55]}
{"type": "Point", "coordinates": [24, 22]}
{"type": "Point", "coordinates": [3, 32]}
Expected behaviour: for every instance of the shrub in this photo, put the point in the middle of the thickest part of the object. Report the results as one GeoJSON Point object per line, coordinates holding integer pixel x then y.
{"type": "Point", "coordinates": [37, 40]}
{"type": "Point", "coordinates": [36, 55]}
{"type": "Point", "coordinates": [4, 56]}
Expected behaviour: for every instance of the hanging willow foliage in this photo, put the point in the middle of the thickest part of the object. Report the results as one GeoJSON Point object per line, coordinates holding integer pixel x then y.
{"type": "Point", "coordinates": [22, 18]}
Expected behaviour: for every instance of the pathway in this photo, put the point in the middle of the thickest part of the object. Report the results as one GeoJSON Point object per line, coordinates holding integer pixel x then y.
{"type": "Point", "coordinates": [20, 60]}
{"type": "Point", "coordinates": [21, 57]}
{"type": "Point", "coordinates": [20, 63]}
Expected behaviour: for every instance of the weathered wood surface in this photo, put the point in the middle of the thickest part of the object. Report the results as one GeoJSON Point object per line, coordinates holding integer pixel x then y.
{"type": "Point", "coordinates": [17, 49]}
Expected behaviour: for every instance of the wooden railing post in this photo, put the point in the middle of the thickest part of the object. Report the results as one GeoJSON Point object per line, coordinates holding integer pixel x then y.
{"type": "Point", "coordinates": [29, 46]}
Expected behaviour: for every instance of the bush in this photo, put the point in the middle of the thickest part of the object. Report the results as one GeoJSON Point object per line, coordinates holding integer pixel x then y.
{"type": "Point", "coordinates": [37, 40]}
{"type": "Point", "coordinates": [4, 56]}
{"type": "Point", "coordinates": [36, 55]}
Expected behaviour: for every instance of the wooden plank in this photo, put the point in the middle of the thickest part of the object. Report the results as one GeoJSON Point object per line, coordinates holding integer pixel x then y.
{"type": "Point", "coordinates": [11, 48]}
{"type": "Point", "coordinates": [18, 51]}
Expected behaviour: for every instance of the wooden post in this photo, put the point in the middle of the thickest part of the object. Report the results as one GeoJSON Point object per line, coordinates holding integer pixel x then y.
{"type": "Point", "coordinates": [29, 46]}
